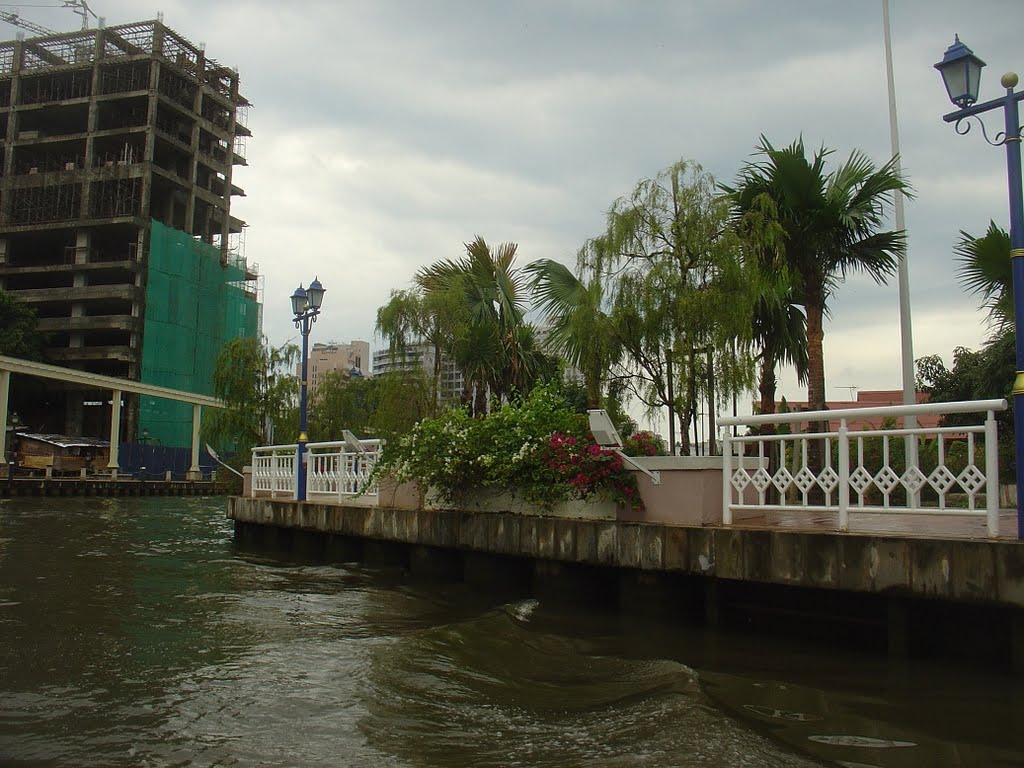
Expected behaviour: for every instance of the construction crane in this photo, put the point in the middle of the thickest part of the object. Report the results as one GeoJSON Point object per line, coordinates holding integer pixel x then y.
{"type": "Point", "coordinates": [80, 7]}
{"type": "Point", "coordinates": [14, 19]}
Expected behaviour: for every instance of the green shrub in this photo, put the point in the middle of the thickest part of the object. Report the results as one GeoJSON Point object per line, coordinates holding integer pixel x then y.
{"type": "Point", "coordinates": [538, 448]}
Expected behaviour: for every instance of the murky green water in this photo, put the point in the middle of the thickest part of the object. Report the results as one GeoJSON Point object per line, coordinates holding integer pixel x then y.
{"type": "Point", "coordinates": [132, 634]}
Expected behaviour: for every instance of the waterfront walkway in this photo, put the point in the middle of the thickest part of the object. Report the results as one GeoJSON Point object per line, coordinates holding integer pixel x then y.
{"type": "Point", "coordinates": [107, 486]}
{"type": "Point", "coordinates": [924, 526]}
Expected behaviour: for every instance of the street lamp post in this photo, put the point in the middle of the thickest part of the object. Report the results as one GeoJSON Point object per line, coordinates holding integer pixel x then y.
{"type": "Point", "coordinates": [305, 306]}
{"type": "Point", "coordinates": [961, 73]}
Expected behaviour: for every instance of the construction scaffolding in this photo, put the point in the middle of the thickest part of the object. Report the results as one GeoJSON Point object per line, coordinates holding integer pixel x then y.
{"type": "Point", "coordinates": [194, 305]}
{"type": "Point", "coordinates": [121, 148]}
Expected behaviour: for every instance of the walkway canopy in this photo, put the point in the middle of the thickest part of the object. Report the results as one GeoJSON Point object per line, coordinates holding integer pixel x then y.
{"type": "Point", "coordinates": [117, 386]}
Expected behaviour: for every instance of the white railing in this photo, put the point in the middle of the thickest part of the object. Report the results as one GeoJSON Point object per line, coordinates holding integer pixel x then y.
{"type": "Point", "coordinates": [906, 470]}
{"type": "Point", "coordinates": [334, 471]}
{"type": "Point", "coordinates": [273, 470]}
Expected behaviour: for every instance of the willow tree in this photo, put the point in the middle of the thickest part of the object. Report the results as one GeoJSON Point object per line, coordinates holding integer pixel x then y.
{"type": "Point", "coordinates": [414, 316]}
{"type": "Point", "coordinates": [680, 296]}
{"type": "Point", "coordinates": [260, 391]}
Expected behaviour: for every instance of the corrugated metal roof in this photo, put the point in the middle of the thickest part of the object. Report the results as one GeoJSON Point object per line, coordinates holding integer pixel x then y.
{"type": "Point", "coordinates": [66, 441]}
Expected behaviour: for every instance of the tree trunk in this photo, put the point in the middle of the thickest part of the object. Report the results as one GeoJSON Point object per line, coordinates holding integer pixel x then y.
{"type": "Point", "coordinates": [767, 387]}
{"type": "Point", "coordinates": [671, 405]}
{"type": "Point", "coordinates": [815, 388]}
{"type": "Point", "coordinates": [711, 404]}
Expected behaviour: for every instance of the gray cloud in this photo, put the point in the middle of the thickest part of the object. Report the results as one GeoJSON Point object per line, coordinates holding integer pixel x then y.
{"type": "Point", "coordinates": [388, 133]}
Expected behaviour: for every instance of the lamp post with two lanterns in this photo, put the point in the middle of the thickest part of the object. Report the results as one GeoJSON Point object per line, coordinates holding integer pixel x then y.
{"type": "Point", "coordinates": [306, 304]}
{"type": "Point", "coordinates": [961, 73]}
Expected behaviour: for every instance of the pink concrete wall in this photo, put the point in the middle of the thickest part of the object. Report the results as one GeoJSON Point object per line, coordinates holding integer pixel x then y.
{"type": "Point", "coordinates": [690, 492]}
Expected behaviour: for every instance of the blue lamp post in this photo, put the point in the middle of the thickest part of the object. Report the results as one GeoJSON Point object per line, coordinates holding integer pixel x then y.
{"type": "Point", "coordinates": [961, 73]}
{"type": "Point", "coordinates": [305, 306]}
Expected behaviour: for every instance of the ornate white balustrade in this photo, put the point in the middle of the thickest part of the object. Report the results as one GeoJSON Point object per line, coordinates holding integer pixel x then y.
{"type": "Point", "coordinates": [906, 469]}
{"type": "Point", "coordinates": [273, 470]}
{"type": "Point", "coordinates": [335, 472]}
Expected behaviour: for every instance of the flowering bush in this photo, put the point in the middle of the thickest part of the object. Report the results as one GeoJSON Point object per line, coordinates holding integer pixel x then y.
{"type": "Point", "coordinates": [643, 444]}
{"type": "Point", "coordinates": [582, 469]}
{"type": "Point", "coordinates": [538, 448]}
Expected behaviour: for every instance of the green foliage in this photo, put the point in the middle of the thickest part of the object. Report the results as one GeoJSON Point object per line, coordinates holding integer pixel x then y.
{"type": "Point", "coordinates": [976, 375]}
{"type": "Point", "coordinates": [665, 285]}
{"type": "Point", "coordinates": [816, 227]}
{"type": "Point", "coordinates": [471, 310]}
{"type": "Point", "coordinates": [984, 269]}
{"type": "Point", "coordinates": [342, 402]}
{"type": "Point", "coordinates": [579, 327]}
{"type": "Point", "coordinates": [19, 335]}
{"type": "Point", "coordinates": [259, 390]}
{"type": "Point", "coordinates": [537, 447]}
{"type": "Point", "coordinates": [403, 399]}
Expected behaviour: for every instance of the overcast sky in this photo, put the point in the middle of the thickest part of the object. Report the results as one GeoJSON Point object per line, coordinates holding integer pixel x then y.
{"type": "Point", "coordinates": [389, 132]}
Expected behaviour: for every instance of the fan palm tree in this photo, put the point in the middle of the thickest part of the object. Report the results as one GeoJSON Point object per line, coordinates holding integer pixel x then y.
{"type": "Point", "coordinates": [495, 354]}
{"type": "Point", "coordinates": [984, 267]}
{"type": "Point", "coordinates": [578, 327]}
{"type": "Point", "coordinates": [831, 224]}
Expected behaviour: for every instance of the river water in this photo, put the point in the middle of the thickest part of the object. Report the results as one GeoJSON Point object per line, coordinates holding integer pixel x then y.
{"type": "Point", "coordinates": [132, 633]}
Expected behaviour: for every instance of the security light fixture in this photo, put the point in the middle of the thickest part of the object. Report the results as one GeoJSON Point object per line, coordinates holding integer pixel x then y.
{"type": "Point", "coordinates": [607, 436]}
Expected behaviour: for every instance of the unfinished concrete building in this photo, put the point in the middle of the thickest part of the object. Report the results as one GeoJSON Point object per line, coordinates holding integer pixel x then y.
{"type": "Point", "coordinates": [115, 208]}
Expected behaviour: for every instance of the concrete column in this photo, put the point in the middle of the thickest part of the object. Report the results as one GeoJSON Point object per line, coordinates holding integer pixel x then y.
{"type": "Point", "coordinates": [74, 412]}
{"type": "Point", "coordinates": [78, 308]}
{"type": "Point", "coordinates": [115, 431]}
{"type": "Point", "coordinates": [194, 472]}
{"type": "Point", "coordinates": [5, 389]}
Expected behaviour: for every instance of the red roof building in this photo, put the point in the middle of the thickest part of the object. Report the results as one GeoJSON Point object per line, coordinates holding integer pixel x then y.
{"type": "Point", "coordinates": [876, 398]}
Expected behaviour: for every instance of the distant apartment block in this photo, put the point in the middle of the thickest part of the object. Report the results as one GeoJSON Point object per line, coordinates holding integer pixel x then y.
{"type": "Point", "coordinates": [350, 358]}
{"type": "Point", "coordinates": [421, 357]}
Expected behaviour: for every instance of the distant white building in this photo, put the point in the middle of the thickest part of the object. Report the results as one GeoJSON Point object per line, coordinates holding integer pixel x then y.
{"type": "Point", "coordinates": [351, 358]}
{"type": "Point", "coordinates": [420, 357]}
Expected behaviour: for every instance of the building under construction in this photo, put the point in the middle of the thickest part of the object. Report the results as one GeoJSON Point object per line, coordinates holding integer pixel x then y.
{"type": "Point", "coordinates": [115, 213]}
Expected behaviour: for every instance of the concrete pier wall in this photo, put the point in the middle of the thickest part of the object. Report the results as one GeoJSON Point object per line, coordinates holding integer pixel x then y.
{"type": "Point", "coordinates": [970, 571]}
{"type": "Point", "coordinates": [955, 599]}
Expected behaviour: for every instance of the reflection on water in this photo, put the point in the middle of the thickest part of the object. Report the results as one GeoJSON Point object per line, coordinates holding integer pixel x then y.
{"type": "Point", "coordinates": [132, 634]}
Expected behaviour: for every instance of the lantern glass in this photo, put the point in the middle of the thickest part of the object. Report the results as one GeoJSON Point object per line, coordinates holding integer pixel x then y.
{"type": "Point", "coordinates": [315, 292]}
{"type": "Point", "coordinates": [961, 74]}
{"type": "Point", "coordinates": [299, 301]}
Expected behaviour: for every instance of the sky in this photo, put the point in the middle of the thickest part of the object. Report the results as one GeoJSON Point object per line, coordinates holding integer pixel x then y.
{"type": "Point", "coordinates": [388, 133]}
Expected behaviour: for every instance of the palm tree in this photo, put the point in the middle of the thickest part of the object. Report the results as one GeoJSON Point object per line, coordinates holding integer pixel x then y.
{"type": "Point", "coordinates": [491, 347]}
{"type": "Point", "coordinates": [578, 327]}
{"type": "Point", "coordinates": [831, 224]}
{"type": "Point", "coordinates": [984, 267]}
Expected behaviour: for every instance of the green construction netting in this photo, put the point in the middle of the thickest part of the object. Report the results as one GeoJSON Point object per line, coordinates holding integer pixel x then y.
{"type": "Point", "coordinates": [194, 305]}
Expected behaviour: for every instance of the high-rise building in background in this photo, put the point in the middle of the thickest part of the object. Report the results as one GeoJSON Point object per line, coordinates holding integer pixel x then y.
{"type": "Point", "coordinates": [352, 359]}
{"type": "Point", "coordinates": [115, 214]}
{"type": "Point", "coordinates": [420, 357]}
